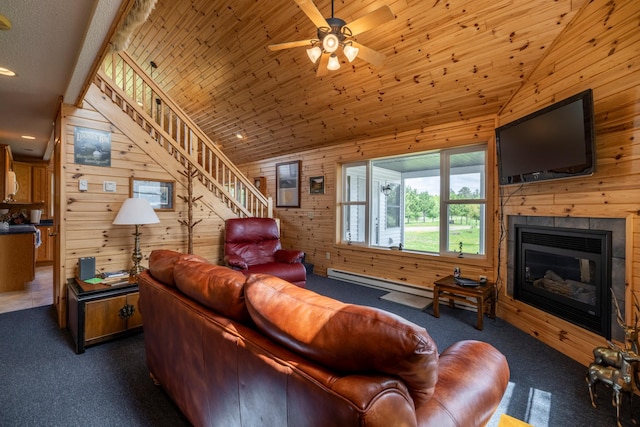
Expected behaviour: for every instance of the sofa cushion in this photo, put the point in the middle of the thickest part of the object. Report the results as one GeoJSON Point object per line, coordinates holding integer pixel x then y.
{"type": "Point", "coordinates": [162, 261]}
{"type": "Point", "coordinates": [217, 287]}
{"type": "Point", "coordinates": [345, 337]}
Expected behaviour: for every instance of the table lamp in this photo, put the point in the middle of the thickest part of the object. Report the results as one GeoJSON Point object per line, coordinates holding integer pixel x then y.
{"type": "Point", "coordinates": [135, 211]}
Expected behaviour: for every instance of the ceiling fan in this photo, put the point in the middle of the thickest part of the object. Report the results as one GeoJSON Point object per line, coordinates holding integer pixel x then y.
{"type": "Point", "coordinates": [334, 33]}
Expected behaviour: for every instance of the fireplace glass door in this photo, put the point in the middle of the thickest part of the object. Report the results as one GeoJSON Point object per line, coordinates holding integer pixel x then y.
{"type": "Point", "coordinates": [566, 272]}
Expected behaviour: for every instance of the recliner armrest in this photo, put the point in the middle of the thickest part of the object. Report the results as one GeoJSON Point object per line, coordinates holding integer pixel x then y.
{"type": "Point", "coordinates": [288, 256]}
{"type": "Point", "coordinates": [235, 261]}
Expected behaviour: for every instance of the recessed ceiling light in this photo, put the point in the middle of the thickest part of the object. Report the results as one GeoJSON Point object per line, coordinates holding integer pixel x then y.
{"type": "Point", "coordinates": [239, 135]}
{"type": "Point", "coordinates": [6, 72]}
{"type": "Point", "coordinates": [28, 137]}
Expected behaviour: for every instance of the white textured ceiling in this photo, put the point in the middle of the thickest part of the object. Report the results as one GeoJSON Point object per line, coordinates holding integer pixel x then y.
{"type": "Point", "coordinates": [51, 47]}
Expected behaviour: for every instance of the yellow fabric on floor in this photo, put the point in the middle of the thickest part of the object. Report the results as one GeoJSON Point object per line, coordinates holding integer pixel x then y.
{"type": "Point", "coordinates": [508, 421]}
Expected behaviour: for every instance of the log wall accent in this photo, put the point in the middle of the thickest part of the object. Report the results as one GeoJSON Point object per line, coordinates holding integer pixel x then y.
{"type": "Point", "coordinates": [88, 215]}
{"type": "Point", "coordinates": [312, 227]}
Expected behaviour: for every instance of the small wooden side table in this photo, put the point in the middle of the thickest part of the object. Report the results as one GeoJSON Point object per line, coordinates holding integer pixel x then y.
{"type": "Point", "coordinates": [97, 313]}
{"type": "Point", "coordinates": [474, 295]}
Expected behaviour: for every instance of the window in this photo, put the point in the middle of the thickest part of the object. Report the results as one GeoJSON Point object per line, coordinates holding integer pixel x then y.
{"type": "Point", "coordinates": [431, 202]}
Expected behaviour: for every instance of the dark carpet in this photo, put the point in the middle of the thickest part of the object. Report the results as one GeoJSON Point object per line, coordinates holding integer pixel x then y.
{"type": "Point", "coordinates": [44, 383]}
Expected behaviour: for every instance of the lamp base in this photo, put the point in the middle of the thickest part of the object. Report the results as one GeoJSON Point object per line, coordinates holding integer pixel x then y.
{"type": "Point", "coordinates": [135, 270]}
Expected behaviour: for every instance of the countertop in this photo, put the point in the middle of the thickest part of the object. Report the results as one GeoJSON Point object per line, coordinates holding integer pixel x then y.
{"type": "Point", "coordinates": [18, 229]}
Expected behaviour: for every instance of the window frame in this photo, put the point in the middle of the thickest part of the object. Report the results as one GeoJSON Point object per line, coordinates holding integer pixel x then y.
{"type": "Point", "coordinates": [445, 201]}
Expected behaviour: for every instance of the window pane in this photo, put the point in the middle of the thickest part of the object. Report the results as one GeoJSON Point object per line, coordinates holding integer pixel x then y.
{"type": "Point", "coordinates": [466, 228]}
{"type": "Point", "coordinates": [354, 223]}
{"type": "Point", "coordinates": [466, 178]}
{"type": "Point", "coordinates": [355, 183]}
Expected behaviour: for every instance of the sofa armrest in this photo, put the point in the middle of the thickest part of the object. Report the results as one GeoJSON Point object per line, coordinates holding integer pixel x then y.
{"type": "Point", "coordinates": [234, 261]}
{"type": "Point", "coordinates": [288, 256]}
{"type": "Point", "coordinates": [472, 378]}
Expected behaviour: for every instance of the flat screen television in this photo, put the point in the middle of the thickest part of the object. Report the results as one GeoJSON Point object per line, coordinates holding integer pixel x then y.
{"type": "Point", "coordinates": [555, 142]}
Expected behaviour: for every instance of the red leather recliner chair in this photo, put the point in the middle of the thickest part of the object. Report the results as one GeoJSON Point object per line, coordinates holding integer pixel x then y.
{"type": "Point", "coordinates": [252, 245]}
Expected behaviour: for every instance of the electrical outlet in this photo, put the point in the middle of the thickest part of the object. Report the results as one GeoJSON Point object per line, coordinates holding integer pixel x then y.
{"type": "Point", "coordinates": [328, 255]}
{"type": "Point", "coordinates": [109, 186]}
{"type": "Point", "coordinates": [83, 185]}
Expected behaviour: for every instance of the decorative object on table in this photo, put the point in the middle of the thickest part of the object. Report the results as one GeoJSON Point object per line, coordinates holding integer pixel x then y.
{"type": "Point", "coordinates": [618, 368]}
{"type": "Point", "coordinates": [288, 184]}
{"type": "Point", "coordinates": [316, 185]}
{"type": "Point", "coordinates": [160, 193]}
{"type": "Point", "coordinates": [86, 267]}
{"type": "Point", "coordinates": [136, 211]}
{"type": "Point", "coordinates": [91, 147]}
{"type": "Point", "coordinates": [190, 173]}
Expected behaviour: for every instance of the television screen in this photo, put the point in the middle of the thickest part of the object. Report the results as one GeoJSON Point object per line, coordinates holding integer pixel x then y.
{"type": "Point", "coordinates": [555, 142]}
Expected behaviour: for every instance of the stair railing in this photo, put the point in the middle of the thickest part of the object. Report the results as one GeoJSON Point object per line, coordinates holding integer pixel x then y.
{"type": "Point", "coordinates": [129, 87]}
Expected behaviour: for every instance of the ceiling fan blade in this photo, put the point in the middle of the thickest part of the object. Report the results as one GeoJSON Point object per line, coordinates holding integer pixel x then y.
{"type": "Point", "coordinates": [371, 20]}
{"type": "Point", "coordinates": [288, 45]}
{"type": "Point", "coordinates": [373, 57]}
{"type": "Point", "coordinates": [322, 66]}
{"type": "Point", "coordinates": [313, 13]}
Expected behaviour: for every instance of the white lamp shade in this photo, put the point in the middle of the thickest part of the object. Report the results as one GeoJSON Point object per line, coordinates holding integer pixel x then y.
{"type": "Point", "coordinates": [314, 53]}
{"type": "Point", "coordinates": [351, 52]}
{"type": "Point", "coordinates": [136, 211]}
{"type": "Point", "coordinates": [333, 63]}
{"type": "Point", "coordinates": [330, 43]}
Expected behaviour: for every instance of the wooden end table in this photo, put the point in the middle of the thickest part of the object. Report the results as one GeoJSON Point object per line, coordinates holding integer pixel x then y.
{"type": "Point", "coordinates": [98, 313]}
{"type": "Point", "coordinates": [477, 296]}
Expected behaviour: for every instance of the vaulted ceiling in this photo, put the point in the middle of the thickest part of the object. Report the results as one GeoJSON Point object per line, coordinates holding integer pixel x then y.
{"type": "Point", "coordinates": [446, 61]}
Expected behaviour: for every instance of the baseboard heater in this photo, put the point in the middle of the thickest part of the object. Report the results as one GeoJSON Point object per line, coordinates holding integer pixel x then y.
{"type": "Point", "coordinates": [378, 283]}
{"type": "Point", "coordinates": [387, 285]}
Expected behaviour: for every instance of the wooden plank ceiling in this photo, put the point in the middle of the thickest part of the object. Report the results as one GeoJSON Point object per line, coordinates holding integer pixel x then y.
{"type": "Point", "coordinates": [447, 60]}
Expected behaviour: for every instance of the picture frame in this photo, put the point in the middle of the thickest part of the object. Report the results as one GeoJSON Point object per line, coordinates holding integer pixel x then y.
{"type": "Point", "coordinates": [160, 193]}
{"type": "Point", "coordinates": [288, 184]}
{"type": "Point", "coordinates": [91, 147]}
{"type": "Point", "coordinates": [316, 185]}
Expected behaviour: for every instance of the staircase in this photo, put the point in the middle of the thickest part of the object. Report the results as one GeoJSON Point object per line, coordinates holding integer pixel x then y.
{"type": "Point", "coordinates": [122, 81]}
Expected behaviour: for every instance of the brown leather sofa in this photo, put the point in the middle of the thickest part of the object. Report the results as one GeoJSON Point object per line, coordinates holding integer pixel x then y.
{"type": "Point", "coordinates": [235, 350]}
{"type": "Point", "coordinates": [252, 245]}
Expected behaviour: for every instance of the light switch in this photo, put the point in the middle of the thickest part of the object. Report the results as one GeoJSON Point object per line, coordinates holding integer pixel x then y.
{"type": "Point", "coordinates": [109, 186]}
{"type": "Point", "coordinates": [83, 185]}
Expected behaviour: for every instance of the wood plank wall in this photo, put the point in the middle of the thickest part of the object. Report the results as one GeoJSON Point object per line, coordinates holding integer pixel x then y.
{"type": "Point", "coordinates": [599, 50]}
{"type": "Point", "coordinates": [312, 227]}
{"type": "Point", "coordinates": [88, 216]}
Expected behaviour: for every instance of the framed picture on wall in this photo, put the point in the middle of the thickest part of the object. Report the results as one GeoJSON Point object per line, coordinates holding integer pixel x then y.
{"type": "Point", "coordinates": [316, 185]}
{"type": "Point", "coordinates": [288, 184]}
{"type": "Point", "coordinates": [91, 147]}
{"type": "Point", "coordinates": [159, 193]}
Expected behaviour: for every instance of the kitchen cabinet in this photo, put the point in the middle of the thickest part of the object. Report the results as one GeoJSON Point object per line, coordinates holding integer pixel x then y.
{"type": "Point", "coordinates": [45, 251]}
{"type": "Point", "coordinates": [17, 257]}
{"type": "Point", "coordinates": [39, 184]}
{"type": "Point", "coordinates": [23, 177]}
{"type": "Point", "coordinates": [6, 161]}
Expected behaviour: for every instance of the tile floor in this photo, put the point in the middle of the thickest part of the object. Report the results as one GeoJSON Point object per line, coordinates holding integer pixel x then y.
{"type": "Point", "coordinates": [37, 293]}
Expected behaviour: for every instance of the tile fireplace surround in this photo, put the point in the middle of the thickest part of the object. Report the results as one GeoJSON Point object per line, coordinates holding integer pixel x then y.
{"type": "Point", "coordinates": [617, 228]}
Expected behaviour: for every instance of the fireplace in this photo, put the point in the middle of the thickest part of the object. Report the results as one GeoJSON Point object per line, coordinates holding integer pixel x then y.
{"type": "Point", "coordinates": [565, 272]}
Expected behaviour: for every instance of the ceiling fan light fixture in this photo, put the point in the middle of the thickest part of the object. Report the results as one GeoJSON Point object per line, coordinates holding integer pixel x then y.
{"type": "Point", "coordinates": [314, 53]}
{"type": "Point", "coordinates": [333, 63]}
{"type": "Point", "coordinates": [351, 52]}
{"type": "Point", "coordinates": [330, 43]}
